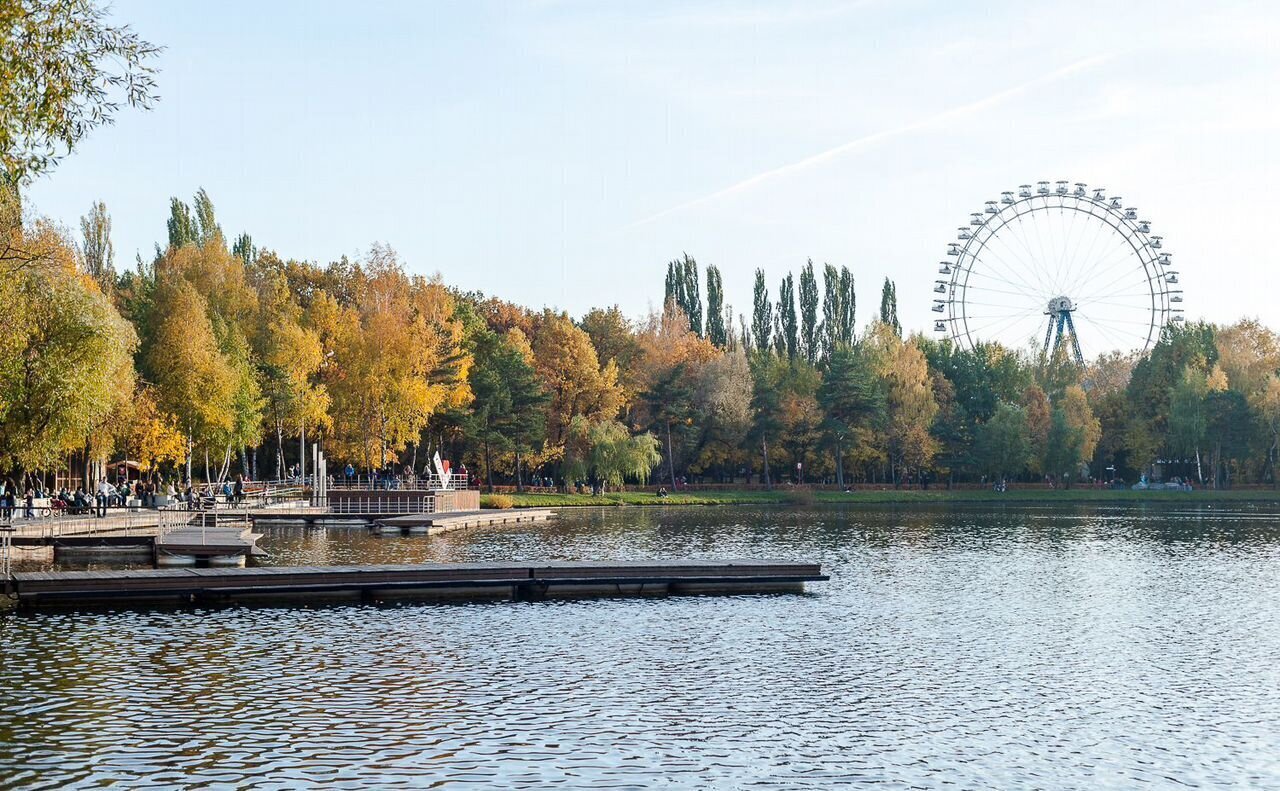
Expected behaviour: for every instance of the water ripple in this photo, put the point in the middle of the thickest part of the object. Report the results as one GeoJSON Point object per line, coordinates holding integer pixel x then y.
{"type": "Point", "coordinates": [1079, 648]}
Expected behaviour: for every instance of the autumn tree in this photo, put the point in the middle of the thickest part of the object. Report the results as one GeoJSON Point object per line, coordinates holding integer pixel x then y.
{"type": "Point", "coordinates": [573, 378]}
{"type": "Point", "coordinates": [398, 359]}
{"type": "Point", "coordinates": [614, 339]}
{"type": "Point", "coordinates": [1038, 414]}
{"type": "Point", "coordinates": [66, 360]}
{"type": "Point", "coordinates": [903, 369]}
{"type": "Point", "coordinates": [65, 70]}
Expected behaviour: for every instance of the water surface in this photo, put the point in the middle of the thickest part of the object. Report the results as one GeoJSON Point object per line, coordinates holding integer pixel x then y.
{"type": "Point", "coordinates": [1091, 647]}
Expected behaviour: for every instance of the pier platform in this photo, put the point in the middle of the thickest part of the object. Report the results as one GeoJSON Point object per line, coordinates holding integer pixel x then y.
{"type": "Point", "coordinates": [433, 581]}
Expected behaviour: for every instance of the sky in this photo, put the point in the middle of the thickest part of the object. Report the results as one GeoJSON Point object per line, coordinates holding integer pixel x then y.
{"type": "Point", "coordinates": [559, 154]}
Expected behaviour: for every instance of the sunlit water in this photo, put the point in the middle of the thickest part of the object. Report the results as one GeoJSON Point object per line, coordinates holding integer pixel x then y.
{"type": "Point", "coordinates": [962, 648]}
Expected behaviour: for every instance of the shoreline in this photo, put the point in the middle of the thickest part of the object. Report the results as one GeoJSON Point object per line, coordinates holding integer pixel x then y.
{"type": "Point", "coordinates": [805, 497]}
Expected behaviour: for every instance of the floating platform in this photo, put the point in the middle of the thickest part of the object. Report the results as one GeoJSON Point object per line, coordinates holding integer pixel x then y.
{"type": "Point", "coordinates": [450, 581]}
{"type": "Point", "coordinates": [433, 524]}
{"type": "Point", "coordinates": [219, 544]}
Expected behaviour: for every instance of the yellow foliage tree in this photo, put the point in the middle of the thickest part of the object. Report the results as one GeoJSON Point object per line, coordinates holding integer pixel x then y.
{"type": "Point", "coordinates": [398, 359]}
{"type": "Point", "coordinates": [909, 393]}
{"type": "Point", "coordinates": [570, 371]}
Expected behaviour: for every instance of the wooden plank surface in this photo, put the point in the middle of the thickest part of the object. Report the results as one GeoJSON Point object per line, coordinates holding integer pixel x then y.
{"type": "Point", "coordinates": [148, 581]}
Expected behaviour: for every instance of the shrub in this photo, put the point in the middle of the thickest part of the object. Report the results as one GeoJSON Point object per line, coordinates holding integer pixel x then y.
{"type": "Point", "coordinates": [799, 496]}
{"type": "Point", "coordinates": [497, 501]}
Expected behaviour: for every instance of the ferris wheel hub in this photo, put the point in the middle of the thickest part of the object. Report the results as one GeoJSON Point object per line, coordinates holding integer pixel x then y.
{"type": "Point", "coordinates": [1059, 305]}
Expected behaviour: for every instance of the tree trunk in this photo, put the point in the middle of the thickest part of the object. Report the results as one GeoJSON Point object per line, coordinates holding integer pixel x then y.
{"type": "Point", "coordinates": [768, 479]}
{"type": "Point", "coordinates": [839, 465]}
{"type": "Point", "coordinates": [519, 476]}
{"type": "Point", "coordinates": [1199, 471]}
{"type": "Point", "coordinates": [488, 466]}
{"type": "Point", "coordinates": [671, 461]}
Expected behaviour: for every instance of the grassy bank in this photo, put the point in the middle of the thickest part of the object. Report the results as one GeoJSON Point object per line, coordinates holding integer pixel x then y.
{"type": "Point", "coordinates": [890, 496]}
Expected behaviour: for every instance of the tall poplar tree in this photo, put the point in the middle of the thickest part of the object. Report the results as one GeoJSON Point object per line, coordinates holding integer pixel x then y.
{"type": "Point", "coordinates": [889, 306]}
{"type": "Point", "coordinates": [182, 226]}
{"type": "Point", "coordinates": [809, 313]}
{"type": "Point", "coordinates": [788, 330]}
{"type": "Point", "coordinates": [833, 313]}
{"type": "Point", "coordinates": [99, 254]}
{"type": "Point", "coordinates": [849, 305]}
{"type": "Point", "coordinates": [761, 314]}
{"type": "Point", "coordinates": [716, 332]}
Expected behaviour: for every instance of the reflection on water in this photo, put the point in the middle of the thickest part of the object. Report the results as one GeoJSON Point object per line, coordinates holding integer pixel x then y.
{"type": "Point", "coordinates": [1025, 647]}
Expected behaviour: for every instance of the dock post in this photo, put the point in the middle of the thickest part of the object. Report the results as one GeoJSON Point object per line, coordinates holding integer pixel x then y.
{"type": "Point", "coordinates": [6, 552]}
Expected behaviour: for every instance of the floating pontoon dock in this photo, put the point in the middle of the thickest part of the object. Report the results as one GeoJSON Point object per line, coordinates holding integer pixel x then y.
{"type": "Point", "coordinates": [459, 581]}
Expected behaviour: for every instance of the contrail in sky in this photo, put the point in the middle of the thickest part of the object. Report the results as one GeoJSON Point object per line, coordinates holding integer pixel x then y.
{"type": "Point", "coordinates": [877, 137]}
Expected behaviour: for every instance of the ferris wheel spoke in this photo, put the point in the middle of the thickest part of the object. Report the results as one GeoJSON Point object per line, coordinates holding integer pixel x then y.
{"type": "Point", "coordinates": [1003, 321]}
{"type": "Point", "coordinates": [1118, 250]}
{"type": "Point", "coordinates": [1000, 291]}
{"type": "Point", "coordinates": [1117, 280]}
{"type": "Point", "coordinates": [1111, 338]}
{"type": "Point", "coordinates": [1072, 246]}
{"type": "Point", "coordinates": [1137, 304]}
{"type": "Point", "coordinates": [1022, 233]}
{"type": "Point", "coordinates": [1088, 262]}
{"type": "Point", "coordinates": [1042, 261]}
{"type": "Point", "coordinates": [1011, 271]}
{"type": "Point", "coordinates": [991, 273]}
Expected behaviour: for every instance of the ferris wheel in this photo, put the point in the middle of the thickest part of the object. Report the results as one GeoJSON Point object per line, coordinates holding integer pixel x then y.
{"type": "Point", "coordinates": [1057, 264]}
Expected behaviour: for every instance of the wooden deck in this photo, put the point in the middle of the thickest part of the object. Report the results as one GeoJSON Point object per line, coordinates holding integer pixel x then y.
{"type": "Point", "coordinates": [228, 541]}
{"type": "Point", "coordinates": [461, 581]}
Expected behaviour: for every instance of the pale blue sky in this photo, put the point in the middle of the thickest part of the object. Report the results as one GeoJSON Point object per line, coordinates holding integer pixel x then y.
{"type": "Point", "coordinates": [559, 153]}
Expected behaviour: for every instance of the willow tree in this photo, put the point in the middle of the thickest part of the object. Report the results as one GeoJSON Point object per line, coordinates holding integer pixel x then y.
{"type": "Point", "coordinates": [65, 70]}
{"type": "Point", "coordinates": [66, 362]}
{"type": "Point", "coordinates": [605, 454]}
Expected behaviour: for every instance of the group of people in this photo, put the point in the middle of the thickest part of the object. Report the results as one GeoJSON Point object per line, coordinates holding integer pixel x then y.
{"type": "Point", "coordinates": [15, 501]}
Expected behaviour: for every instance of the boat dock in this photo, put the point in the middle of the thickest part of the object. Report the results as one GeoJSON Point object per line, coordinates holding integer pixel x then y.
{"type": "Point", "coordinates": [432, 581]}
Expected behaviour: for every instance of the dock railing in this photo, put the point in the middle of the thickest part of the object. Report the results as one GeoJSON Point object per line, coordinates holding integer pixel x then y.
{"type": "Point", "coordinates": [426, 504]}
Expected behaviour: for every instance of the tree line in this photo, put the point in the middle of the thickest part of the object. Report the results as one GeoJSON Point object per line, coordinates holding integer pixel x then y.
{"type": "Point", "coordinates": [214, 356]}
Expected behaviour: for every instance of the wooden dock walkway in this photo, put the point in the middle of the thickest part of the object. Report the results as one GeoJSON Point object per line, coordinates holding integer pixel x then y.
{"type": "Point", "coordinates": [449, 581]}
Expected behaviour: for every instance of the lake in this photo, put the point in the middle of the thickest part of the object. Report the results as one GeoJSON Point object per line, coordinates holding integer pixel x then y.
{"type": "Point", "coordinates": [965, 647]}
